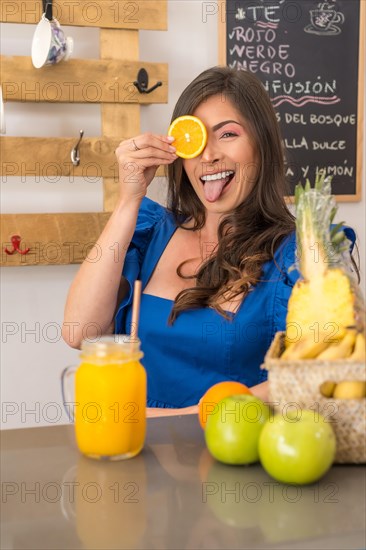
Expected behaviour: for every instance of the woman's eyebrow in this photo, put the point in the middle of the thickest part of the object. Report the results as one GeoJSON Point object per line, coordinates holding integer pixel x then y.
{"type": "Point", "coordinates": [221, 124]}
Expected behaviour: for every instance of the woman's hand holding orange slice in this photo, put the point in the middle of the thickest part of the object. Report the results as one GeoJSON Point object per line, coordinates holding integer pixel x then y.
{"type": "Point", "coordinates": [139, 157]}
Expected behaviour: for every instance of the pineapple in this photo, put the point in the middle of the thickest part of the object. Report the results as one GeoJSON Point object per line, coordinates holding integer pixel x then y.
{"type": "Point", "coordinates": [324, 300]}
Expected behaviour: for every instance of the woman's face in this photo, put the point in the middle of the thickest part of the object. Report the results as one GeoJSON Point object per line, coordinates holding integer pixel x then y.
{"type": "Point", "coordinates": [225, 172]}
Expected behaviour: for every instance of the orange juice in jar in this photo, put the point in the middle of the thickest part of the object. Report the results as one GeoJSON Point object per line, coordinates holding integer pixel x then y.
{"type": "Point", "coordinates": [110, 398]}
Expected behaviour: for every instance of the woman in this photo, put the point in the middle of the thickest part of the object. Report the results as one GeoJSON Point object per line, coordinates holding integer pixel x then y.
{"type": "Point", "coordinates": [214, 264]}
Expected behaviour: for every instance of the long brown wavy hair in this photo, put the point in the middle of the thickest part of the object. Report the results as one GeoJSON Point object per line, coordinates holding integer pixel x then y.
{"type": "Point", "coordinates": [249, 235]}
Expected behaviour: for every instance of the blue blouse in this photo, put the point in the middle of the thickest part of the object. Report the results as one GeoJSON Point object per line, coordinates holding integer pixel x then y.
{"type": "Point", "coordinates": [201, 348]}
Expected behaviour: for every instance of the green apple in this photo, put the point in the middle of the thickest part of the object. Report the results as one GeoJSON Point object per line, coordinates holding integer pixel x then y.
{"type": "Point", "coordinates": [297, 448]}
{"type": "Point", "coordinates": [232, 432]}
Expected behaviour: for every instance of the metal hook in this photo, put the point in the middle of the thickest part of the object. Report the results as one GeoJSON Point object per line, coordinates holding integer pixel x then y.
{"type": "Point", "coordinates": [142, 82]}
{"type": "Point", "coordinates": [47, 9]}
{"type": "Point", "coordinates": [75, 155]}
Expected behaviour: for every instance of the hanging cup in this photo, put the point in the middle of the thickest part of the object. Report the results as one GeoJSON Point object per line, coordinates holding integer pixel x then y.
{"type": "Point", "coordinates": [49, 45]}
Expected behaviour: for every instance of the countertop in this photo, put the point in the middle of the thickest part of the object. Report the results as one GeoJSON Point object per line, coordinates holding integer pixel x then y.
{"type": "Point", "coordinates": [172, 496]}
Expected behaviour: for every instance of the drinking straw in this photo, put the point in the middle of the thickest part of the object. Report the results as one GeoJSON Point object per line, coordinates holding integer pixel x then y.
{"type": "Point", "coordinates": [135, 309]}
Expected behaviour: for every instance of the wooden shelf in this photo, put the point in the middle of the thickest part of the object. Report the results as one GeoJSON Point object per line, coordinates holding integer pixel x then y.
{"type": "Point", "coordinates": [65, 238]}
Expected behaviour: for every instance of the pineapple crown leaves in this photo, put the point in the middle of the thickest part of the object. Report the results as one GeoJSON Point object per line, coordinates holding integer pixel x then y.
{"type": "Point", "coordinates": [319, 243]}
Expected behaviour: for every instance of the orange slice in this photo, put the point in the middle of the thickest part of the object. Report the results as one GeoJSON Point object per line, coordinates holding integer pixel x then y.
{"type": "Point", "coordinates": [190, 136]}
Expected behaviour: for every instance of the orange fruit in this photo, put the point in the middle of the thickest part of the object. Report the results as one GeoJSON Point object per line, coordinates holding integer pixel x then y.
{"type": "Point", "coordinates": [208, 403]}
{"type": "Point", "coordinates": [190, 136]}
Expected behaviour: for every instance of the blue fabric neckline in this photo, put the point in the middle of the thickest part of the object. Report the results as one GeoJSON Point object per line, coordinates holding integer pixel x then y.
{"type": "Point", "coordinates": [231, 313]}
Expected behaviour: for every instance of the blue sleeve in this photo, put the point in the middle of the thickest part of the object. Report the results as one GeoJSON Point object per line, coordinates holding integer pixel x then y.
{"type": "Point", "coordinates": [351, 236]}
{"type": "Point", "coordinates": [289, 276]}
{"type": "Point", "coordinates": [150, 214]}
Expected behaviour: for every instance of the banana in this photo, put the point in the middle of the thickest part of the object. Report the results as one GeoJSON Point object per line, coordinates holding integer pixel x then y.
{"type": "Point", "coordinates": [359, 352]}
{"type": "Point", "coordinates": [327, 388]}
{"type": "Point", "coordinates": [340, 350]}
{"type": "Point", "coordinates": [306, 348]}
{"type": "Point", "coordinates": [288, 351]}
{"type": "Point", "coordinates": [350, 389]}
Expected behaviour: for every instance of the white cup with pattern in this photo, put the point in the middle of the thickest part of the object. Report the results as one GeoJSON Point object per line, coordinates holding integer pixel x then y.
{"type": "Point", "coordinates": [50, 45]}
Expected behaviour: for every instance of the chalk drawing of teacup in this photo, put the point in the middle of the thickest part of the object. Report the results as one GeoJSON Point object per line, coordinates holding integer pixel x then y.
{"type": "Point", "coordinates": [324, 19]}
{"type": "Point", "coordinates": [50, 45]}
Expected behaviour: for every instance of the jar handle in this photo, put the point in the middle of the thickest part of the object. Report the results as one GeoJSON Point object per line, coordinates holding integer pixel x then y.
{"type": "Point", "coordinates": [67, 377]}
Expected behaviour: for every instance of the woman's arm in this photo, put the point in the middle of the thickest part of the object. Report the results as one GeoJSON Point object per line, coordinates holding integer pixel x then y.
{"type": "Point", "coordinates": [93, 295]}
{"type": "Point", "coordinates": [152, 412]}
{"type": "Point", "coordinates": [261, 391]}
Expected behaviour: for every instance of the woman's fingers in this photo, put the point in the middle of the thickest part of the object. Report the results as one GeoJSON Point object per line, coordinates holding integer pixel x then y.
{"type": "Point", "coordinates": [147, 145]}
{"type": "Point", "coordinates": [151, 140]}
{"type": "Point", "coordinates": [153, 153]}
{"type": "Point", "coordinates": [138, 159]}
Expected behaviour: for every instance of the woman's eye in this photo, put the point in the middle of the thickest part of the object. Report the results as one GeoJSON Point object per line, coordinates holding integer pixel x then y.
{"type": "Point", "coordinates": [229, 134]}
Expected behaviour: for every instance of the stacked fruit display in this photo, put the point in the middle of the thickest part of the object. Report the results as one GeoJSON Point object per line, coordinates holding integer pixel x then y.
{"type": "Point", "coordinates": [321, 355]}
{"type": "Point", "coordinates": [316, 368]}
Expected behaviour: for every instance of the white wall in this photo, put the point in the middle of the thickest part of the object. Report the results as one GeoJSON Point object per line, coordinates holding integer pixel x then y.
{"type": "Point", "coordinates": [32, 299]}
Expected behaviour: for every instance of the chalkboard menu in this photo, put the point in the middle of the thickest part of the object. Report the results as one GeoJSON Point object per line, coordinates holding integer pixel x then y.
{"type": "Point", "coordinates": [309, 57]}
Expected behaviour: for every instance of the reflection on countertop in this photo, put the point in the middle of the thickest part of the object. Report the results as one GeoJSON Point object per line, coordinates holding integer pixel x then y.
{"type": "Point", "coordinates": [173, 495]}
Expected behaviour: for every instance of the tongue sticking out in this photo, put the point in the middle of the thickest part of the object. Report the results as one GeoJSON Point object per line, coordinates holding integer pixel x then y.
{"type": "Point", "coordinates": [213, 189]}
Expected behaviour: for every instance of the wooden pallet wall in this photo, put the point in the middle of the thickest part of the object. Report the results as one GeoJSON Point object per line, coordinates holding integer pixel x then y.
{"type": "Point", "coordinates": [64, 238]}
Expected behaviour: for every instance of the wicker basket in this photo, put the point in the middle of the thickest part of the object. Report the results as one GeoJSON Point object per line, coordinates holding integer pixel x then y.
{"type": "Point", "coordinates": [296, 384]}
